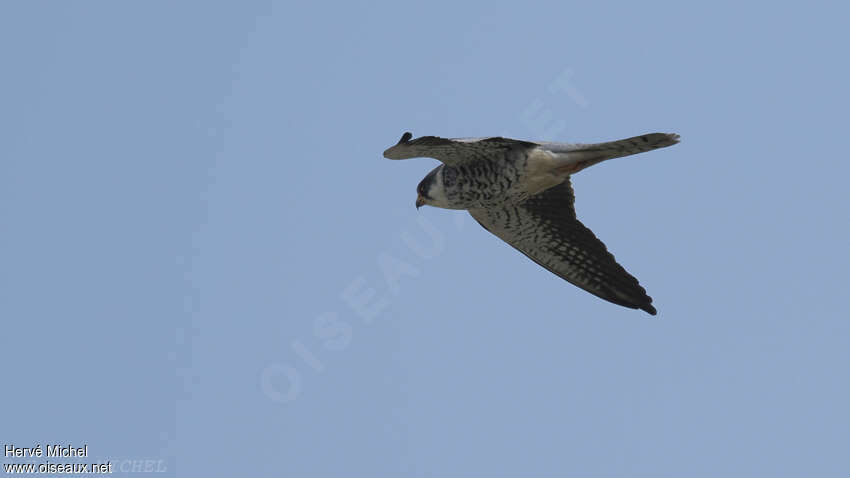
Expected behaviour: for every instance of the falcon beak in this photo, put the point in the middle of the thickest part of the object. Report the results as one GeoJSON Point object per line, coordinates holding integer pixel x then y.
{"type": "Point", "coordinates": [420, 201]}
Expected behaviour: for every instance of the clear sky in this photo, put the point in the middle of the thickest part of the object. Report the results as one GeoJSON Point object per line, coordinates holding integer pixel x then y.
{"type": "Point", "coordinates": [206, 262]}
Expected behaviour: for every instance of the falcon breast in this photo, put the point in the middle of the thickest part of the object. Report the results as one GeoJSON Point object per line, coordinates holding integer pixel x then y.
{"type": "Point", "coordinates": [520, 191]}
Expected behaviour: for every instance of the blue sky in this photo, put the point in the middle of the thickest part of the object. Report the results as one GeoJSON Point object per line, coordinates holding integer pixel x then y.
{"type": "Point", "coordinates": [207, 263]}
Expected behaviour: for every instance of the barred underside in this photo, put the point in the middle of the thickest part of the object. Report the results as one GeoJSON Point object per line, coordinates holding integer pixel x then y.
{"type": "Point", "coordinates": [545, 229]}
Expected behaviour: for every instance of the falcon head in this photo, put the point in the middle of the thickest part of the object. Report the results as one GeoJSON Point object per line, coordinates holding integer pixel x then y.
{"type": "Point", "coordinates": [430, 190]}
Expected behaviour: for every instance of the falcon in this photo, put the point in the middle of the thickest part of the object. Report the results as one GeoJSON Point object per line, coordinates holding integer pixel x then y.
{"type": "Point", "coordinates": [520, 191]}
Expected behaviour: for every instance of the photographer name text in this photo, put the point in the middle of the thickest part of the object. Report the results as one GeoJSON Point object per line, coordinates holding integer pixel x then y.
{"type": "Point", "coordinates": [48, 451]}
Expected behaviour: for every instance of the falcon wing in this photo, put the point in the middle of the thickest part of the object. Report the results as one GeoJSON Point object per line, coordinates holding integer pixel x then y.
{"type": "Point", "coordinates": [453, 151]}
{"type": "Point", "coordinates": [545, 229]}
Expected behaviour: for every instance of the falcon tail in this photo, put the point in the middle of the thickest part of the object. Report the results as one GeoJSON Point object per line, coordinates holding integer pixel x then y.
{"type": "Point", "coordinates": [575, 157]}
{"type": "Point", "coordinates": [629, 146]}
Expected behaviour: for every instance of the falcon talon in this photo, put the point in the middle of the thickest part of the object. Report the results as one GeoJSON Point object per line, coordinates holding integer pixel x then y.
{"type": "Point", "coordinates": [520, 191]}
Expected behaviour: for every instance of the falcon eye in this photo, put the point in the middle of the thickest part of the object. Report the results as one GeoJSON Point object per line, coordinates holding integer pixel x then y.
{"type": "Point", "coordinates": [425, 185]}
{"type": "Point", "coordinates": [422, 190]}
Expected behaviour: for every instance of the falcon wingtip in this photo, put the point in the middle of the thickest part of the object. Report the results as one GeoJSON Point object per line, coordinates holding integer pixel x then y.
{"type": "Point", "coordinates": [396, 151]}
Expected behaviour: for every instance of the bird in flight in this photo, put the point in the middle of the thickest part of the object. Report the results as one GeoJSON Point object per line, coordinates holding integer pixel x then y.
{"type": "Point", "coordinates": [520, 191]}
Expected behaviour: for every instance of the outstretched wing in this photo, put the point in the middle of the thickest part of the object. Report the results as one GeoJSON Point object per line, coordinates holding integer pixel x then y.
{"type": "Point", "coordinates": [453, 151]}
{"type": "Point", "coordinates": [545, 229]}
